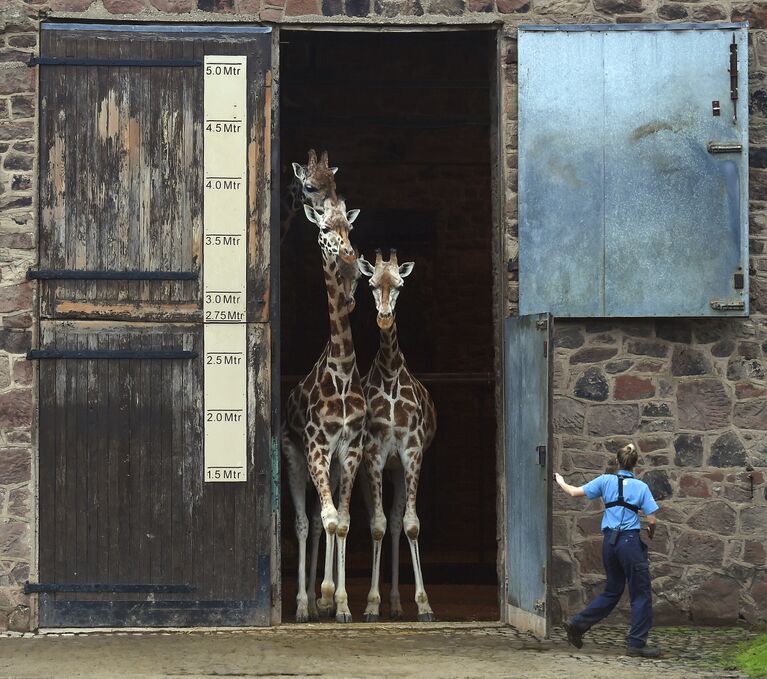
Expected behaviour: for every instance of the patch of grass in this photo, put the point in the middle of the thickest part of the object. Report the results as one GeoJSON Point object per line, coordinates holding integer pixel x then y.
{"type": "Point", "coordinates": [752, 657]}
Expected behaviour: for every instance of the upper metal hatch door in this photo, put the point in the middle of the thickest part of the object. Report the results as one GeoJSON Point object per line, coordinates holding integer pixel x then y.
{"type": "Point", "coordinates": [528, 471]}
{"type": "Point", "coordinates": [633, 170]}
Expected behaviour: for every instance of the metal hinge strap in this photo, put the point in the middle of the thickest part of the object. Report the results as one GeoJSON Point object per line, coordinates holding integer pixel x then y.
{"type": "Point", "coordinates": [734, 76]}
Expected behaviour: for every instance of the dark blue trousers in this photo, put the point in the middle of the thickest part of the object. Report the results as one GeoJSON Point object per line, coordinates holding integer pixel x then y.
{"type": "Point", "coordinates": [625, 561]}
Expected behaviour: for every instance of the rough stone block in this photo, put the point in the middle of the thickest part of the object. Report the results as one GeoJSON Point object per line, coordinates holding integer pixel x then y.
{"type": "Point", "coordinates": [689, 450]}
{"type": "Point", "coordinates": [715, 601]}
{"type": "Point", "coordinates": [16, 409]}
{"type": "Point", "coordinates": [739, 368]}
{"type": "Point", "coordinates": [672, 12]}
{"type": "Point", "coordinates": [16, 78]}
{"type": "Point", "coordinates": [448, 7]}
{"type": "Point", "coordinates": [715, 516]}
{"type": "Point", "coordinates": [728, 451]}
{"type": "Point", "coordinates": [753, 12]}
{"type": "Point", "coordinates": [606, 420]}
{"type": "Point", "coordinates": [15, 465]}
{"type": "Point", "coordinates": [702, 404]}
{"type": "Point", "coordinates": [622, 365]}
{"type": "Point", "coordinates": [751, 414]}
{"type": "Point", "coordinates": [710, 13]}
{"type": "Point", "coordinates": [723, 348]}
{"type": "Point", "coordinates": [749, 390]}
{"type": "Point", "coordinates": [15, 341]}
{"type": "Point", "coordinates": [632, 388]}
{"type": "Point", "coordinates": [513, 6]}
{"type": "Point", "coordinates": [659, 484]}
{"type": "Point", "coordinates": [173, 6]}
{"type": "Point", "coordinates": [568, 416]}
{"type": "Point", "coordinates": [693, 486]}
{"type": "Point", "coordinates": [686, 361]}
{"type": "Point", "coordinates": [699, 549]}
{"type": "Point", "coordinates": [592, 385]}
{"type": "Point", "coordinates": [647, 348]}
{"type": "Point", "coordinates": [593, 354]}
{"type": "Point", "coordinates": [566, 337]}
{"type": "Point", "coordinates": [656, 409]}
{"type": "Point", "coordinates": [14, 539]}
{"type": "Point", "coordinates": [753, 520]}
{"type": "Point", "coordinates": [589, 555]}
{"type": "Point", "coordinates": [619, 6]}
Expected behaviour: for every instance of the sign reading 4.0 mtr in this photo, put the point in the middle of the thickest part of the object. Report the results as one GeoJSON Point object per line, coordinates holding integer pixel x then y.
{"type": "Point", "coordinates": [224, 267]}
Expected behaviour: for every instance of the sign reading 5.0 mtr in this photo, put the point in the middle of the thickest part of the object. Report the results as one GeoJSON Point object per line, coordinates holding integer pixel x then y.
{"type": "Point", "coordinates": [224, 267]}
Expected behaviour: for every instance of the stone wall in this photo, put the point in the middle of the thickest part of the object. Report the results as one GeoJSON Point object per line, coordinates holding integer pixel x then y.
{"type": "Point", "coordinates": [692, 394]}
{"type": "Point", "coordinates": [17, 252]}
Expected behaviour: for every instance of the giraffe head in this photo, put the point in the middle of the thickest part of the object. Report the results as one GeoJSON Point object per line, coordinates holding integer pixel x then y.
{"type": "Point", "coordinates": [386, 279]}
{"type": "Point", "coordinates": [334, 223]}
{"type": "Point", "coordinates": [317, 179]}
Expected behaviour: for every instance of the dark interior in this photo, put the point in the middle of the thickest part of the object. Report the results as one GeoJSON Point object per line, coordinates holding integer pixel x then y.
{"type": "Point", "coordinates": [406, 118]}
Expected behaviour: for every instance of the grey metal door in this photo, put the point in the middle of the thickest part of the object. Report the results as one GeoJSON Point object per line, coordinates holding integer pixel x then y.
{"type": "Point", "coordinates": [633, 170]}
{"type": "Point", "coordinates": [528, 471]}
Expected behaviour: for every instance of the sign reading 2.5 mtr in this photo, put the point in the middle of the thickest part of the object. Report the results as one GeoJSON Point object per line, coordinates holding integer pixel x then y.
{"type": "Point", "coordinates": [224, 268]}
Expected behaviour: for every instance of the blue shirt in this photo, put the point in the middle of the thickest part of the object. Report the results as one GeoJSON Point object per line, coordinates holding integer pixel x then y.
{"type": "Point", "coordinates": [635, 492]}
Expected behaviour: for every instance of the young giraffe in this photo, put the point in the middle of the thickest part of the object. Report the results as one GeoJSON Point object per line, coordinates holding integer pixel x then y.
{"type": "Point", "coordinates": [401, 423]}
{"type": "Point", "coordinates": [325, 416]}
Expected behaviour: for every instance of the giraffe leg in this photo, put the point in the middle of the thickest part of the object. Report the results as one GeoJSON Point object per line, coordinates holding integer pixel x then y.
{"type": "Point", "coordinates": [374, 502]}
{"type": "Point", "coordinates": [412, 466]}
{"type": "Point", "coordinates": [316, 531]}
{"type": "Point", "coordinates": [349, 462]}
{"type": "Point", "coordinates": [395, 521]}
{"type": "Point", "coordinates": [319, 469]}
{"type": "Point", "coordinates": [297, 482]}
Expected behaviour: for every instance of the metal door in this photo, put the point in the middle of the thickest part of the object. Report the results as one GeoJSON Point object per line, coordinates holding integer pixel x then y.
{"type": "Point", "coordinates": [633, 170]}
{"type": "Point", "coordinates": [129, 532]}
{"type": "Point", "coordinates": [528, 471]}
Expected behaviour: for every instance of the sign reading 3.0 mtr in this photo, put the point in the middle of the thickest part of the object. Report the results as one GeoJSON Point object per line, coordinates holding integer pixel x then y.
{"type": "Point", "coordinates": [224, 267]}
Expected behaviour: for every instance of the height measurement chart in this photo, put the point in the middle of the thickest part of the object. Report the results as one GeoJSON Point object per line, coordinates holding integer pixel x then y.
{"type": "Point", "coordinates": [224, 267]}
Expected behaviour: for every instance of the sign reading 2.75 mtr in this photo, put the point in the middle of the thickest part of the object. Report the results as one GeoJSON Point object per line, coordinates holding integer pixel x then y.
{"type": "Point", "coordinates": [224, 267]}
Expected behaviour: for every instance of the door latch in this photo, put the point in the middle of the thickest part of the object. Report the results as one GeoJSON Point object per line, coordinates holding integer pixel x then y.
{"type": "Point", "coordinates": [541, 450]}
{"type": "Point", "coordinates": [725, 147]}
{"type": "Point", "coordinates": [723, 305]}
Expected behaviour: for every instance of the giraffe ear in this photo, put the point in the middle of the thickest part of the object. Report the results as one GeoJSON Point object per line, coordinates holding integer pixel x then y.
{"type": "Point", "coordinates": [300, 172]}
{"type": "Point", "coordinates": [352, 215]}
{"type": "Point", "coordinates": [365, 267]}
{"type": "Point", "coordinates": [334, 170]}
{"type": "Point", "coordinates": [312, 215]}
{"type": "Point", "coordinates": [406, 269]}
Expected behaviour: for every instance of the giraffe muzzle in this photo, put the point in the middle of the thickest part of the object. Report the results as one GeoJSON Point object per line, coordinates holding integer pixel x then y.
{"type": "Point", "coordinates": [385, 321]}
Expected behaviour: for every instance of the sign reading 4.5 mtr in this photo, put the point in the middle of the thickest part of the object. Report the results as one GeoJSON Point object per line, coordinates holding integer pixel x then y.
{"type": "Point", "coordinates": [224, 267]}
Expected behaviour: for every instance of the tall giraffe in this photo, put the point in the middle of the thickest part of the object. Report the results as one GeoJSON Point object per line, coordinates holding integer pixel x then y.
{"type": "Point", "coordinates": [325, 415]}
{"type": "Point", "coordinates": [401, 424]}
{"type": "Point", "coordinates": [310, 184]}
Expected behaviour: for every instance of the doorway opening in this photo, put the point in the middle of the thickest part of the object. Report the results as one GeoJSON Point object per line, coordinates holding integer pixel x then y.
{"type": "Point", "coordinates": [406, 116]}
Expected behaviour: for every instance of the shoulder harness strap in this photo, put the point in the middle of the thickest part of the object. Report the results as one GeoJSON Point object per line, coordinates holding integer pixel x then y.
{"type": "Point", "coordinates": [620, 502]}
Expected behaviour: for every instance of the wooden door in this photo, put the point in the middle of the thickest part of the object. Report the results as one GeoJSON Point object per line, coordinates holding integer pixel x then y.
{"type": "Point", "coordinates": [130, 534]}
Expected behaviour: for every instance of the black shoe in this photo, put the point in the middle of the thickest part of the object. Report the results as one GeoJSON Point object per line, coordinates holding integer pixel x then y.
{"type": "Point", "coordinates": [574, 635]}
{"type": "Point", "coordinates": [644, 651]}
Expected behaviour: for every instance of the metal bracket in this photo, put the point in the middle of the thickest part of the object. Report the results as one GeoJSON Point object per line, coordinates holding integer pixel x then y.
{"type": "Point", "coordinates": [167, 354]}
{"type": "Point", "coordinates": [722, 305]}
{"type": "Point", "coordinates": [96, 588]}
{"type": "Point", "coordinates": [541, 450]}
{"type": "Point", "coordinates": [540, 605]}
{"type": "Point", "coordinates": [734, 77]}
{"type": "Point", "coordinates": [143, 63]}
{"type": "Point", "coordinates": [75, 275]}
{"type": "Point", "coordinates": [725, 147]}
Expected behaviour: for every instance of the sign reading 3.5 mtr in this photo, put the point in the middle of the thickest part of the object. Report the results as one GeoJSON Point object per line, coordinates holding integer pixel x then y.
{"type": "Point", "coordinates": [224, 267]}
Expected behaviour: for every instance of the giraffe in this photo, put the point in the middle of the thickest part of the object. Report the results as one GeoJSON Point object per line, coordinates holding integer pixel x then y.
{"type": "Point", "coordinates": [325, 415]}
{"type": "Point", "coordinates": [401, 424]}
{"type": "Point", "coordinates": [310, 184]}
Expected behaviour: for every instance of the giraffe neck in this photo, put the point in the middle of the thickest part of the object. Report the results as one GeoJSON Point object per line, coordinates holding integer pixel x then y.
{"type": "Point", "coordinates": [390, 358]}
{"type": "Point", "coordinates": [341, 344]}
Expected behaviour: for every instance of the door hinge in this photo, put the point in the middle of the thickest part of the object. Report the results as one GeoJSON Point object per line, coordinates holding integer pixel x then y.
{"type": "Point", "coordinates": [542, 324]}
{"type": "Point", "coordinates": [541, 450]}
{"type": "Point", "coordinates": [734, 77]}
{"type": "Point", "coordinates": [545, 349]}
{"type": "Point", "coordinates": [724, 147]}
{"type": "Point", "coordinates": [540, 605]}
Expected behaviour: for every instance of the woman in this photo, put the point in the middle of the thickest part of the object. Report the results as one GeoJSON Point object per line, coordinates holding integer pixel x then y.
{"type": "Point", "coordinates": [624, 555]}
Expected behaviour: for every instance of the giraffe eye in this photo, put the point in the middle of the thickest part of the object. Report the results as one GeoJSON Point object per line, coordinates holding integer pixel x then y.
{"type": "Point", "coordinates": [310, 189]}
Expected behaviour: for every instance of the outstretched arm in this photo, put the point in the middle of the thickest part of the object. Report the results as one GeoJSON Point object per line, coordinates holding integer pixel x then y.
{"type": "Point", "coordinates": [651, 523]}
{"type": "Point", "coordinates": [572, 491]}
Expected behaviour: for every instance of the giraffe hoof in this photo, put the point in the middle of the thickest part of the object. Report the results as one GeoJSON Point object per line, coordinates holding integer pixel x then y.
{"type": "Point", "coordinates": [326, 612]}
{"type": "Point", "coordinates": [395, 615]}
{"type": "Point", "coordinates": [302, 616]}
{"type": "Point", "coordinates": [314, 616]}
{"type": "Point", "coordinates": [370, 617]}
{"type": "Point", "coordinates": [343, 617]}
{"type": "Point", "coordinates": [427, 617]}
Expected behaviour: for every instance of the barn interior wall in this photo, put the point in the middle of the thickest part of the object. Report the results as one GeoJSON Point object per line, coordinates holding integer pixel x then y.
{"type": "Point", "coordinates": [692, 392]}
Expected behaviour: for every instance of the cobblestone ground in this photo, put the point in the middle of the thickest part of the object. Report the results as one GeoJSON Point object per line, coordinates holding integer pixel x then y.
{"type": "Point", "coordinates": [460, 651]}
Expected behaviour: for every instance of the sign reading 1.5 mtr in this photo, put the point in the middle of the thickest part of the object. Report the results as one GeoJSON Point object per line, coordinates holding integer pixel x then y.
{"type": "Point", "coordinates": [224, 268]}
